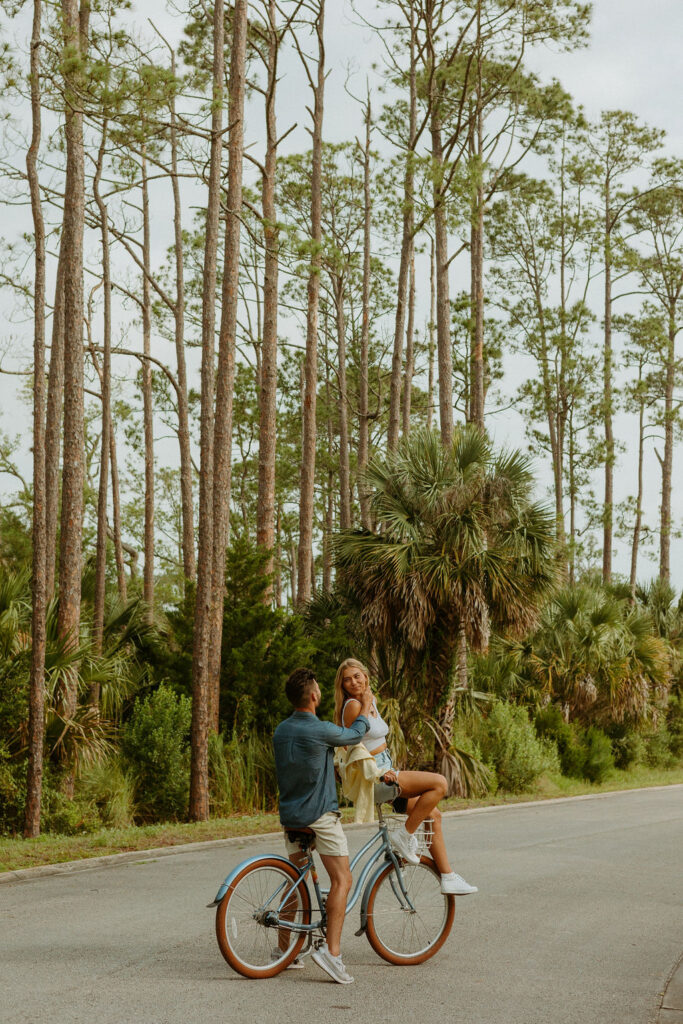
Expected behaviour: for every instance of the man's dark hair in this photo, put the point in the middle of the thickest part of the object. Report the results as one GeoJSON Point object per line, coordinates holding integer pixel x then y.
{"type": "Point", "coordinates": [299, 685]}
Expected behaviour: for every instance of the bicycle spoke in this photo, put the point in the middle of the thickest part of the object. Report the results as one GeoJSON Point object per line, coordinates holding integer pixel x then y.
{"type": "Point", "coordinates": [249, 944]}
{"type": "Point", "coordinates": [403, 933]}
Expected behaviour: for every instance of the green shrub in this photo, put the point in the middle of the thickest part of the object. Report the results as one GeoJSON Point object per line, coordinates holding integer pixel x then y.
{"type": "Point", "coordinates": [674, 724]}
{"type": "Point", "coordinates": [477, 777]}
{"type": "Point", "coordinates": [512, 746]}
{"type": "Point", "coordinates": [658, 748]}
{"type": "Point", "coordinates": [12, 791]}
{"type": "Point", "coordinates": [58, 813]}
{"type": "Point", "coordinates": [550, 724]}
{"type": "Point", "coordinates": [156, 754]}
{"type": "Point", "coordinates": [599, 760]}
{"type": "Point", "coordinates": [584, 754]}
{"type": "Point", "coordinates": [67, 816]}
{"type": "Point", "coordinates": [629, 749]}
{"type": "Point", "coordinates": [110, 791]}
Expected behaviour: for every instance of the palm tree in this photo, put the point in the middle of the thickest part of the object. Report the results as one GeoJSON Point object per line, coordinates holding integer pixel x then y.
{"type": "Point", "coordinates": [598, 657]}
{"type": "Point", "coordinates": [458, 548]}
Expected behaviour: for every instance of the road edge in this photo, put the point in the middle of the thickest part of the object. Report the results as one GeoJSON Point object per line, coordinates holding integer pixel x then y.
{"type": "Point", "coordinates": [145, 856]}
{"type": "Point", "coordinates": [666, 1013]}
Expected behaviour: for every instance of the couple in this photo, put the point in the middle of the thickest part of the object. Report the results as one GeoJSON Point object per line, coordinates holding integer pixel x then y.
{"type": "Point", "coordinates": [304, 755]}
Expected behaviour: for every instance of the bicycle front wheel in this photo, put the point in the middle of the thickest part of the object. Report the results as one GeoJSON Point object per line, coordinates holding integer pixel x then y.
{"type": "Point", "coordinates": [397, 933]}
{"type": "Point", "coordinates": [248, 937]}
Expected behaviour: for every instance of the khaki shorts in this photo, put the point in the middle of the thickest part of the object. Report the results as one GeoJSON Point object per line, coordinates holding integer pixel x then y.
{"type": "Point", "coordinates": [330, 840]}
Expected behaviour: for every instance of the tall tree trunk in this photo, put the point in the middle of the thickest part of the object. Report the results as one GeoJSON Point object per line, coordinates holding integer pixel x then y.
{"type": "Point", "coordinates": [265, 516]}
{"type": "Point", "coordinates": [199, 761]}
{"type": "Point", "coordinates": [113, 531]}
{"type": "Point", "coordinates": [639, 499]}
{"type": "Point", "coordinates": [36, 707]}
{"type": "Point", "coordinates": [344, 471]}
{"type": "Point", "coordinates": [608, 508]}
{"type": "Point", "coordinates": [307, 483]}
{"type": "Point", "coordinates": [75, 28]}
{"type": "Point", "coordinates": [560, 355]}
{"type": "Point", "coordinates": [278, 557]}
{"type": "Point", "coordinates": [225, 378]}
{"type": "Point", "coordinates": [477, 257]}
{"type": "Point", "coordinates": [406, 252]}
{"type": "Point", "coordinates": [430, 334]}
{"type": "Point", "coordinates": [53, 425]}
{"type": "Point", "coordinates": [327, 536]}
{"type": "Point", "coordinates": [667, 461]}
{"type": "Point", "coordinates": [477, 250]}
{"type": "Point", "coordinates": [105, 389]}
{"type": "Point", "coordinates": [443, 305]}
{"type": "Point", "coordinates": [555, 432]}
{"type": "Point", "coordinates": [294, 561]}
{"type": "Point", "coordinates": [410, 347]}
{"type": "Point", "coordinates": [571, 458]}
{"type": "Point", "coordinates": [459, 680]}
{"type": "Point", "coordinates": [329, 497]}
{"type": "Point", "coordinates": [363, 402]}
{"type": "Point", "coordinates": [148, 412]}
{"type": "Point", "coordinates": [116, 517]}
{"type": "Point", "coordinates": [186, 500]}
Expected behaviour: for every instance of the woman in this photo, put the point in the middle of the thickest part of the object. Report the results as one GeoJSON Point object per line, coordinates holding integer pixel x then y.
{"type": "Point", "coordinates": [423, 789]}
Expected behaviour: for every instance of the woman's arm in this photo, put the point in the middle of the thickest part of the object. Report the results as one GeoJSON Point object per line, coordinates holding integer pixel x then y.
{"type": "Point", "coordinates": [351, 712]}
{"type": "Point", "coordinates": [349, 715]}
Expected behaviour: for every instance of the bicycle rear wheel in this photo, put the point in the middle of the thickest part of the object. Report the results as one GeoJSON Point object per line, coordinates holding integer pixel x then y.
{"type": "Point", "coordinates": [253, 945]}
{"type": "Point", "coordinates": [403, 936]}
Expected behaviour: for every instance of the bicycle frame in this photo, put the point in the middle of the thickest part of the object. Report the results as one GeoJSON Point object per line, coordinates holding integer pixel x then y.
{"type": "Point", "coordinates": [383, 853]}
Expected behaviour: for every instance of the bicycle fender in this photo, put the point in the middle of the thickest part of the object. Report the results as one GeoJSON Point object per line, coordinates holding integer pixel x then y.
{"type": "Point", "coordinates": [366, 895]}
{"type": "Point", "coordinates": [240, 867]}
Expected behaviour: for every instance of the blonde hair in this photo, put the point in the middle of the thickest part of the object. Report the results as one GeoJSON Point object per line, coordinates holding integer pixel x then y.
{"type": "Point", "coordinates": [339, 693]}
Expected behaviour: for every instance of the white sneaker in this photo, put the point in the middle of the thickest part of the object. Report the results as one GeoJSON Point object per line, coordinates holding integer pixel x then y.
{"type": "Point", "coordinates": [295, 964]}
{"type": "Point", "coordinates": [405, 845]}
{"type": "Point", "coordinates": [332, 965]}
{"type": "Point", "coordinates": [455, 885]}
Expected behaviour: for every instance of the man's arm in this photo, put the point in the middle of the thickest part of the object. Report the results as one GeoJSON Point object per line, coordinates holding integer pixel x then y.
{"type": "Point", "coordinates": [338, 736]}
{"type": "Point", "coordinates": [341, 736]}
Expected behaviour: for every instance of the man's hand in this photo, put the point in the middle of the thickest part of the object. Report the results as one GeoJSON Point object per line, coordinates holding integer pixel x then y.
{"type": "Point", "coordinates": [366, 702]}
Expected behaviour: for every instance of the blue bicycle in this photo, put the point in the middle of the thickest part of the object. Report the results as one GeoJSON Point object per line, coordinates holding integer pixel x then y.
{"type": "Point", "coordinates": [264, 914]}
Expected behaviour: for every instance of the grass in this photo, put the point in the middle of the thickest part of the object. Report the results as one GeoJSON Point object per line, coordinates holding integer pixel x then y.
{"type": "Point", "coordinates": [16, 853]}
{"type": "Point", "coordinates": [550, 787]}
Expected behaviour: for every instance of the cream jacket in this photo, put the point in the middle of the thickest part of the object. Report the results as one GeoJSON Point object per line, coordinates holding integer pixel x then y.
{"type": "Point", "coordinates": [359, 773]}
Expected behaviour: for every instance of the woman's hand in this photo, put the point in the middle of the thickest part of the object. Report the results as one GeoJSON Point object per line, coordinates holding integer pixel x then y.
{"type": "Point", "coordinates": [391, 776]}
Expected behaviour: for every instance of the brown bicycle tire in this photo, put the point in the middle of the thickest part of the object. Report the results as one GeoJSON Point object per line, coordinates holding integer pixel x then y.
{"type": "Point", "coordinates": [248, 971]}
{"type": "Point", "coordinates": [376, 942]}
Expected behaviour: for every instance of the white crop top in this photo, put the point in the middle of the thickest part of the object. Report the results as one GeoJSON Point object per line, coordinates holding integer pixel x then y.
{"type": "Point", "coordinates": [378, 727]}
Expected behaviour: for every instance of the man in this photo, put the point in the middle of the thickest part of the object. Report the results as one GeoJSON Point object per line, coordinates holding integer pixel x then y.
{"type": "Point", "coordinates": [304, 762]}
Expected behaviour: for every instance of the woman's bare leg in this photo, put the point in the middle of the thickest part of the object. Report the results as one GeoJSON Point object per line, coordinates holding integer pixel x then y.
{"type": "Point", "coordinates": [428, 787]}
{"type": "Point", "coordinates": [438, 847]}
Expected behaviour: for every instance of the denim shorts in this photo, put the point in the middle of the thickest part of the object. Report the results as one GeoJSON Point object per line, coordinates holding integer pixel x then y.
{"type": "Point", "coordinates": [383, 761]}
{"type": "Point", "coordinates": [385, 791]}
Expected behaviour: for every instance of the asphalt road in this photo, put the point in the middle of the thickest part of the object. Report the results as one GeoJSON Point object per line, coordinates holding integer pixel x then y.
{"type": "Point", "coordinates": [579, 920]}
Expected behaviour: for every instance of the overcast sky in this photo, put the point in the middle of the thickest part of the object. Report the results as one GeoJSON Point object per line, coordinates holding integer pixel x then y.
{"type": "Point", "coordinates": [632, 62]}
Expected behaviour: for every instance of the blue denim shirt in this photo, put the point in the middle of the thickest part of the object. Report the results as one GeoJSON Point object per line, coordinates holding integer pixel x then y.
{"type": "Point", "coordinates": [304, 763]}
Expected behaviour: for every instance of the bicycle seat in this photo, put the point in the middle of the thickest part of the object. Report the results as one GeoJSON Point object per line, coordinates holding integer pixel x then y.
{"type": "Point", "coordinates": [305, 836]}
